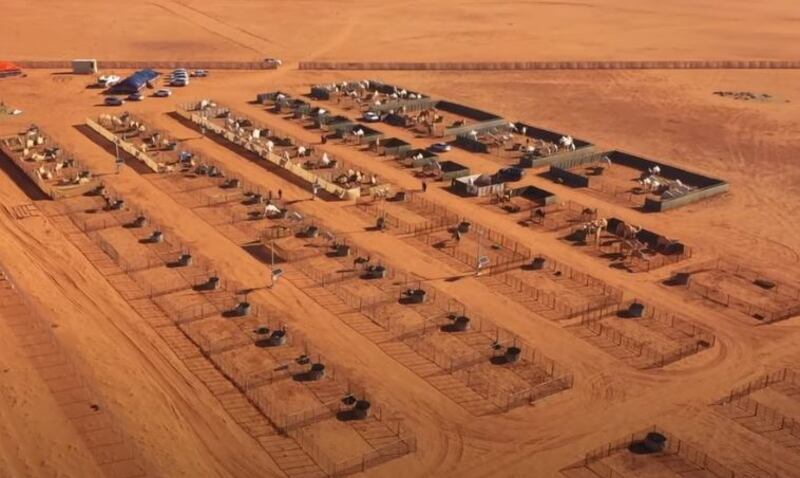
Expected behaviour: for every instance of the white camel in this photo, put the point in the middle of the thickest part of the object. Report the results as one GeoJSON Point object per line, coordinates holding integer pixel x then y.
{"type": "Point", "coordinates": [567, 142]}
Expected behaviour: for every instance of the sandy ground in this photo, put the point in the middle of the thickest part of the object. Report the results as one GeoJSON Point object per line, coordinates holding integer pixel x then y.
{"type": "Point", "coordinates": [180, 428]}
{"type": "Point", "coordinates": [450, 30]}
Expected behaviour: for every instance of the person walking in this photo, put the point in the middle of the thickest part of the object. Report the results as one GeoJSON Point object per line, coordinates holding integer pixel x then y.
{"type": "Point", "coordinates": [280, 193]}
{"type": "Point", "coordinates": [424, 186]}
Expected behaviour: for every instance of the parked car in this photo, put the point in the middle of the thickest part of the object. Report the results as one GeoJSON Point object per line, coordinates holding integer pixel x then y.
{"type": "Point", "coordinates": [371, 117]}
{"type": "Point", "coordinates": [163, 93]}
{"type": "Point", "coordinates": [135, 97]}
{"type": "Point", "coordinates": [199, 73]}
{"type": "Point", "coordinates": [276, 62]}
{"type": "Point", "coordinates": [179, 82]}
{"type": "Point", "coordinates": [439, 147]}
{"type": "Point", "coordinates": [114, 101]}
{"type": "Point", "coordinates": [511, 174]}
{"type": "Point", "coordinates": [108, 80]}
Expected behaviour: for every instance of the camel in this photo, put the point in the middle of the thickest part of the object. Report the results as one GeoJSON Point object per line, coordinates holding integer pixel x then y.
{"type": "Point", "coordinates": [633, 249]}
{"type": "Point", "coordinates": [567, 142]}
{"type": "Point", "coordinates": [361, 261]}
{"type": "Point", "coordinates": [600, 225]}
{"type": "Point", "coordinates": [588, 214]}
{"type": "Point", "coordinates": [627, 231]}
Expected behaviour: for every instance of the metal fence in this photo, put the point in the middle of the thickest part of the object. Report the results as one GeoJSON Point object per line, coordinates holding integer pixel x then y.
{"type": "Point", "coordinates": [154, 64]}
{"type": "Point", "coordinates": [675, 447]}
{"type": "Point", "coordinates": [106, 441]}
{"type": "Point", "coordinates": [694, 339]}
{"type": "Point", "coordinates": [787, 303]}
{"type": "Point", "coordinates": [552, 65]}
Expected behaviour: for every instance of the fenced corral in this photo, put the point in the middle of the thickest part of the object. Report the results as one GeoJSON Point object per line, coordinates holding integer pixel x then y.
{"type": "Point", "coordinates": [55, 171]}
{"type": "Point", "coordinates": [736, 287]}
{"type": "Point", "coordinates": [372, 95]}
{"type": "Point", "coordinates": [558, 216]}
{"type": "Point", "coordinates": [553, 65]}
{"type": "Point", "coordinates": [73, 393]}
{"type": "Point", "coordinates": [767, 407]}
{"type": "Point", "coordinates": [326, 404]}
{"type": "Point", "coordinates": [650, 452]}
{"type": "Point", "coordinates": [543, 147]}
{"type": "Point", "coordinates": [627, 246]}
{"type": "Point", "coordinates": [153, 148]}
{"type": "Point", "coordinates": [199, 309]}
{"type": "Point", "coordinates": [409, 213]}
{"type": "Point", "coordinates": [635, 181]}
{"type": "Point", "coordinates": [303, 162]}
{"type": "Point", "coordinates": [169, 313]}
{"type": "Point", "coordinates": [523, 199]}
{"type": "Point", "coordinates": [475, 363]}
{"type": "Point", "coordinates": [554, 290]}
{"type": "Point", "coordinates": [641, 335]}
{"type": "Point", "coordinates": [477, 248]}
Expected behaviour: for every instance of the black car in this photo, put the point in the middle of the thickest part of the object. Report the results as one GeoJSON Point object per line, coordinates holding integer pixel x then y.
{"type": "Point", "coordinates": [511, 174]}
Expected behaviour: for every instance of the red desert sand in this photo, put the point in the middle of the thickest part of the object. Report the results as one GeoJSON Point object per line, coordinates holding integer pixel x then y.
{"type": "Point", "coordinates": [120, 359]}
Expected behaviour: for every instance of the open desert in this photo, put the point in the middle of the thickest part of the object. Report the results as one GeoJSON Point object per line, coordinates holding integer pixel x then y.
{"type": "Point", "coordinates": [242, 298]}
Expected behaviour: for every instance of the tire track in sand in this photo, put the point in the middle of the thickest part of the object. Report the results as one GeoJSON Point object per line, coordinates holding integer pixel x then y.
{"type": "Point", "coordinates": [233, 34]}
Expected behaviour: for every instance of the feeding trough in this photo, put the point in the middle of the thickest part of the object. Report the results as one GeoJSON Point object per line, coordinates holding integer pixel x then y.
{"type": "Point", "coordinates": [464, 227]}
{"type": "Point", "coordinates": [461, 324]}
{"type": "Point", "coordinates": [512, 354]}
{"type": "Point", "coordinates": [362, 409]}
{"type": "Point", "coordinates": [655, 442]}
{"type": "Point", "coordinates": [156, 237]}
{"type": "Point", "coordinates": [243, 309]}
{"type": "Point", "coordinates": [213, 283]}
{"type": "Point", "coordinates": [100, 191]}
{"type": "Point", "coordinates": [256, 198]}
{"type": "Point", "coordinates": [415, 296]}
{"type": "Point", "coordinates": [317, 372]}
{"type": "Point", "coordinates": [376, 272]}
{"type": "Point", "coordinates": [380, 223]}
{"type": "Point", "coordinates": [635, 310]}
{"type": "Point", "coordinates": [277, 338]}
{"type": "Point", "coordinates": [311, 232]}
{"type": "Point", "coordinates": [342, 250]}
{"type": "Point", "coordinates": [764, 283]}
{"type": "Point", "coordinates": [399, 196]}
{"type": "Point", "coordinates": [538, 263]}
{"type": "Point", "coordinates": [679, 278]}
{"type": "Point", "coordinates": [117, 205]}
{"type": "Point", "coordinates": [139, 222]}
{"type": "Point", "coordinates": [185, 260]}
{"type": "Point", "coordinates": [231, 183]}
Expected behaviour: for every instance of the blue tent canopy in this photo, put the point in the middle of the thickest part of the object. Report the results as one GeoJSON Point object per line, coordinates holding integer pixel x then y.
{"type": "Point", "coordinates": [135, 82]}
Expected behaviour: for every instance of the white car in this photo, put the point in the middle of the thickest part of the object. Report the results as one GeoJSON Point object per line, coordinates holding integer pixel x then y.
{"type": "Point", "coordinates": [371, 117]}
{"type": "Point", "coordinates": [178, 81]}
{"type": "Point", "coordinates": [199, 73]}
{"type": "Point", "coordinates": [114, 101]}
{"type": "Point", "coordinates": [439, 147]}
{"type": "Point", "coordinates": [163, 93]}
{"type": "Point", "coordinates": [108, 80]}
{"type": "Point", "coordinates": [276, 62]}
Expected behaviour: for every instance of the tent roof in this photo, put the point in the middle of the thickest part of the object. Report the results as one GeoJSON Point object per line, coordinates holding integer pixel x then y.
{"type": "Point", "coordinates": [8, 66]}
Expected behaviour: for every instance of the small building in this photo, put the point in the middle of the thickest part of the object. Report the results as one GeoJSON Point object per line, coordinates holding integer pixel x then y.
{"type": "Point", "coordinates": [9, 69]}
{"type": "Point", "coordinates": [534, 195]}
{"type": "Point", "coordinates": [478, 185]}
{"type": "Point", "coordinates": [134, 83]}
{"type": "Point", "coordinates": [452, 170]}
{"type": "Point", "coordinates": [394, 147]}
{"type": "Point", "coordinates": [84, 67]}
{"type": "Point", "coordinates": [417, 158]}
